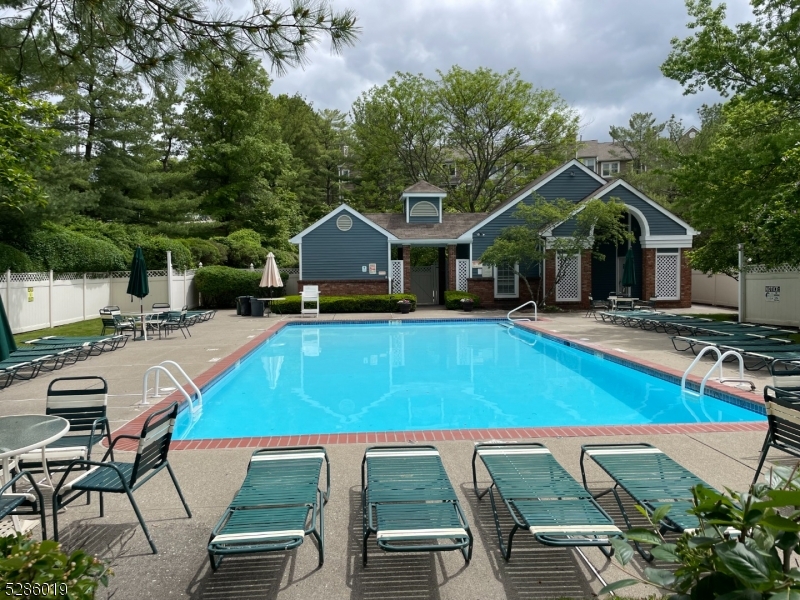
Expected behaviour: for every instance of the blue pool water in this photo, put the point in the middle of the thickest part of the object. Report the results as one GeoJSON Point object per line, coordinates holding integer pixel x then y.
{"type": "Point", "coordinates": [416, 376]}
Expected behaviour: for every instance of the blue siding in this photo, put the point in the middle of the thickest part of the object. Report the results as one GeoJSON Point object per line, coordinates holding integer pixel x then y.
{"type": "Point", "coordinates": [413, 201]}
{"type": "Point", "coordinates": [659, 223]}
{"type": "Point", "coordinates": [332, 254]}
{"type": "Point", "coordinates": [573, 187]}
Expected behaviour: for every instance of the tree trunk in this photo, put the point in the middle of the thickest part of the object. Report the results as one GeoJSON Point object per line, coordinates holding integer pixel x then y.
{"type": "Point", "coordinates": [92, 124]}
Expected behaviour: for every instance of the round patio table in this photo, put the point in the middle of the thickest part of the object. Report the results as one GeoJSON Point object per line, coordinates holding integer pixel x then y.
{"type": "Point", "coordinates": [22, 433]}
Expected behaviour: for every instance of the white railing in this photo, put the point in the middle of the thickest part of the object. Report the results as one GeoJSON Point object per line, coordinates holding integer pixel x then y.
{"type": "Point", "coordinates": [721, 356]}
{"type": "Point", "coordinates": [162, 368]}
{"type": "Point", "coordinates": [528, 303]}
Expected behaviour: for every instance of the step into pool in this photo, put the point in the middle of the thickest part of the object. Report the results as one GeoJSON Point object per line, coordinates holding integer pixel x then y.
{"type": "Point", "coordinates": [401, 376]}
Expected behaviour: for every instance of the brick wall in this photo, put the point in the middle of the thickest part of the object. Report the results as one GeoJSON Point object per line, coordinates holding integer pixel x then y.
{"type": "Point", "coordinates": [586, 281]}
{"type": "Point", "coordinates": [648, 273]}
{"type": "Point", "coordinates": [348, 287]}
{"type": "Point", "coordinates": [407, 269]}
{"type": "Point", "coordinates": [483, 287]}
{"type": "Point", "coordinates": [649, 278]}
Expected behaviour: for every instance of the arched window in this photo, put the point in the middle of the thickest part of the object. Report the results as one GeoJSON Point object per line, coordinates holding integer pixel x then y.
{"type": "Point", "coordinates": [424, 209]}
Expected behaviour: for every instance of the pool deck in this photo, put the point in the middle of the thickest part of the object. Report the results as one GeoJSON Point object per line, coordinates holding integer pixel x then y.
{"type": "Point", "coordinates": [210, 476]}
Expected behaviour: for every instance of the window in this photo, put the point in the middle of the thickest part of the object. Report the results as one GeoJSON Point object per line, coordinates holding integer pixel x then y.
{"type": "Point", "coordinates": [345, 150]}
{"type": "Point", "coordinates": [610, 168]}
{"type": "Point", "coordinates": [590, 163]}
{"type": "Point", "coordinates": [506, 283]}
{"type": "Point", "coordinates": [344, 172]}
{"type": "Point", "coordinates": [450, 169]}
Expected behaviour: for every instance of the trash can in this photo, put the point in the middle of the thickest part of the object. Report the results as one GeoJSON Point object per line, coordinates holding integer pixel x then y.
{"type": "Point", "coordinates": [243, 306]}
{"type": "Point", "coordinates": [256, 307]}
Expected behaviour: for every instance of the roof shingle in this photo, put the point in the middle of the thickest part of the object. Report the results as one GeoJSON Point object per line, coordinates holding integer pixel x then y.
{"type": "Point", "coordinates": [423, 187]}
{"type": "Point", "coordinates": [452, 226]}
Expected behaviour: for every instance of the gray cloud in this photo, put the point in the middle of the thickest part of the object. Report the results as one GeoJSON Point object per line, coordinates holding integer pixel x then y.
{"type": "Point", "coordinates": [602, 57]}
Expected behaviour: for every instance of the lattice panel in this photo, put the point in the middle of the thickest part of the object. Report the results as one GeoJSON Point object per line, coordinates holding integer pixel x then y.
{"type": "Point", "coordinates": [397, 276]}
{"type": "Point", "coordinates": [667, 270]}
{"type": "Point", "coordinates": [462, 273]}
{"type": "Point", "coordinates": [397, 349]}
{"type": "Point", "coordinates": [67, 276]}
{"type": "Point", "coordinates": [784, 268]}
{"type": "Point", "coordinates": [30, 276]}
{"type": "Point", "coordinates": [568, 288]}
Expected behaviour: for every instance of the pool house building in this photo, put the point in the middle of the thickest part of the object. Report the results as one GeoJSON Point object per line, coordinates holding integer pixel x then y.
{"type": "Point", "coordinates": [348, 252]}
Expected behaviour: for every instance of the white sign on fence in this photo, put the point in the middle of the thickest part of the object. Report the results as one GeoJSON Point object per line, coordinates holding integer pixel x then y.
{"type": "Point", "coordinates": [772, 293]}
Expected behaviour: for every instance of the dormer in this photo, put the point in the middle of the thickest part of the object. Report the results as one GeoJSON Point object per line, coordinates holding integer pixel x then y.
{"type": "Point", "coordinates": [422, 203]}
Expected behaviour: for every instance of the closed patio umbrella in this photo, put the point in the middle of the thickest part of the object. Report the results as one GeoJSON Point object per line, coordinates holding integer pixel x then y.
{"type": "Point", "coordinates": [137, 284]}
{"type": "Point", "coordinates": [7, 343]}
{"type": "Point", "coordinates": [271, 277]}
{"type": "Point", "coordinates": [629, 270]}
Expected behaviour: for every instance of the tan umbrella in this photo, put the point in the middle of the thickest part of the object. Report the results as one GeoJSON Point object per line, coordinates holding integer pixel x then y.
{"type": "Point", "coordinates": [271, 277]}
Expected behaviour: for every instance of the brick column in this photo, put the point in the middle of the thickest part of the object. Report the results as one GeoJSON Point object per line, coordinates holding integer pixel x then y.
{"type": "Point", "coordinates": [686, 280]}
{"type": "Point", "coordinates": [451, 268]}
{"type": "Point", "coordinates": [586, 277]}
{"type": "Point", "coordinates": [406, 269]}
{"type": "Point", "coordinates": [648, 273]}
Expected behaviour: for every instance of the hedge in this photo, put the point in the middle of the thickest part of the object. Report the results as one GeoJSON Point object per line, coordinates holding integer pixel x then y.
{"type": "Point", "coordinates": [219, 286]}
{"type": "Point", "coordinates": [347, 304]}
{"type": "Point", "coordinates": [67, 251]}
{"type": "Point", "coordinates": [244, 248]}
{"type": "Point", "coordinates": [155, 253]}
{"type": "Point", "coordinates": [207, 252]}
{"type": "Point", "coordinates": [16, 260]}
{"type": "Point", "coordinates": [452, 299]}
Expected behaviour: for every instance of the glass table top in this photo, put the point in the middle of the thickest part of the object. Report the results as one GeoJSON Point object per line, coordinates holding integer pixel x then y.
{"type": "Point", "coordinates": [24, 431]}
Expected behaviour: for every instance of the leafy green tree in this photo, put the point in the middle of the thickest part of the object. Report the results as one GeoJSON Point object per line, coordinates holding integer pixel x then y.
{"type": "Point", "coordinates": [522, 247]}
{"type": "Point", "coordinates": [641, 139]}
{"type": "Point", "coordinates": [242, 168]}
{"type": "Point", "coordinates": [23, 145]}
{"type": "Point", "coordinates": [158, 36]}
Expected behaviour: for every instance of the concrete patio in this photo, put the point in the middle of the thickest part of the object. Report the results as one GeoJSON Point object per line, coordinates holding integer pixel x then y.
{"type": "Point", "coordinates": [209, 479]}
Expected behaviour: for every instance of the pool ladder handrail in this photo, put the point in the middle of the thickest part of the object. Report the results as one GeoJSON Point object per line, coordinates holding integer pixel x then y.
{"type": "Point", "coordinates": [162, 368]}
{"type": "Point", "coordinates": [721, 356]}
{"type": "Point", "coordinates": [535, 312]}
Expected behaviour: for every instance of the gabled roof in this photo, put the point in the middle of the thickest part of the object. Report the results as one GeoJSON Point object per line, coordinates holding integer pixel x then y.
{"type": "Point", "coordinates": [453, 225]}
{"type": "Point", "coordinates": [602, 151]}
{"type": "Point", "coordinates": [532, 187]}
{"type": "Point", "coordinates": [423, 187]}
{"type": "Point", "coordinates": [615, 183]}
{"type": "Point", "coordinates": [342, 208]}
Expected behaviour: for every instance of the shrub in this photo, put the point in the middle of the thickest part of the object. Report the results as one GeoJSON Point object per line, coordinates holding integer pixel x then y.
{"type": "Point", "coordinates": [69, 251]}
{"type": "Point", "coordinates": [30, 569]}
{"type": "Point", "coordinates": [284, 258]}
{"type": "Point", "coordinates": [16, 260]}
{"type": "Point", "coordinates": [244, 248]}
{"type": "Point", "coordinates": [207, 252]}
{"type": "Point", "coordinates": [452, 299]}
{"type": "Point", "coordinates": [219, 286]}
{"type": "Point", "coordinates": [347, 304]}
{"type": "Point", "coordinates": [155, 253]}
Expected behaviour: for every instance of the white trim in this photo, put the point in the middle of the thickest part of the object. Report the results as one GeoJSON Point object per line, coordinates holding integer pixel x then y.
{"type": "Point", "coordinates": [287, 456]}
{"type": "Point", "coordinates": [516, 284]}
{"type": "Point", "coordinates": [690, 231]}
{"type": "Point", "coordinates": [432, 242]}
{"type": "Point", "coordinates": [522, 195]}
{"type": "Point", "coordinates": [441, 201]}
{"type": "Point", "coordinates": [424, 195]}
{"type": "Point", "coordinates": [257, 535]}
{"type": "Point", "coordinates": [398, 534]}
{"type": "Point", "coordinates": [389, 265]}
{"type": "Point", "coordinates": [300, 258]}
{"type": "Point", "coordinates": [667, 241]}
{"type": "Point", "coordinates": [615, 451]}
{"type": "Point", "coordinates": [401, 453]}
{"type": "Point", "coordinates": [573, 529]}
{"type": "Point", "coordinates": [297, 239]}
{"type": "Point", "coordinates": [511, 450]}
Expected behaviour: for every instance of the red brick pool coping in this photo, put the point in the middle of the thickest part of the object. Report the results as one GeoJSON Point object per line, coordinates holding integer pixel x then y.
{"type": "Point", "coordinates": [134, 427]}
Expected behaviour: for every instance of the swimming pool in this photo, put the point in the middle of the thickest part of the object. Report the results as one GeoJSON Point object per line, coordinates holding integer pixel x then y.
{"type": "Point", "coordinates": [349, 378]}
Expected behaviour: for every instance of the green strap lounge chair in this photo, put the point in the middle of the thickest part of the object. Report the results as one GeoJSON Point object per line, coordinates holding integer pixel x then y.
{"type": "Point", "coordinates": [409, 503]}
{"type": "Point", "coordinates": [696, 343]}
{"type": "Point", "coordinates": [22, 503]}
{"type": "Point", "coordinates": [103, 342]}
{"type": "Point", "coordinates": [22, 369]}
{"type": "Point", "coordinates": [278, 505]}
{"type": "Point", "coordinates": [85, 408]}
{"type": "Point", "coordinates": [123, 477]}
{"type": "Point", "coordinates": [651, 478]}
{"type": "Point", "coordinates": [541, 497]}
{"type": "Point", "coordinates": [783, 422]}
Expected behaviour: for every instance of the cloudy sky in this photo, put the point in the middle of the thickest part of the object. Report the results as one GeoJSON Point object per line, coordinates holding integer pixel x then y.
{"type": "Point", "coordinates": [602, 56]}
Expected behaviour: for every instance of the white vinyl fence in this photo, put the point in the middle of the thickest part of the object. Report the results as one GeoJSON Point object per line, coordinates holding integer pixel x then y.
{"type": "Point", "coordinates": [716, 290]}
{"type": "Point", "coordinates": [772, 296]}
{"type": "Point", "coordinates": [38, 300]}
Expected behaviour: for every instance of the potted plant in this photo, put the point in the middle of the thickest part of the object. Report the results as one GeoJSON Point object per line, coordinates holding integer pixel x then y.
{"type": "Point", "coordinates": [404, 305]}
{"type": "Point", "coordinates": [467, 304]}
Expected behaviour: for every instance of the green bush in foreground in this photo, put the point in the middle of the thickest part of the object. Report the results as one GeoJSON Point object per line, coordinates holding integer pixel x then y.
{"type": "Point", "coordinates": [30, 569]}
{"type": "Point", "coordinates": [347, 304]}
{"type": "Point", "coordinates": [219, 286]}
{"type": "Point", "coordinates": [452, 299]}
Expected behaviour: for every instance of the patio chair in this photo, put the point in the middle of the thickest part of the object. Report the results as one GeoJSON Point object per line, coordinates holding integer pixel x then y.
{"type": "Point", "coordinates": [85, 409]}
{"type": "Point", "coordinates": [22, 504]}
{"type": "Point", "coordinates": [541, 497]}
{"type": "Point", "coordinates": [114, 321]}
{"type": "Point", "coordinates": [785, 375]}
{"type": "Point", "coordinates": [651, 478]}
{"type": "Point", "coordinates": [783, 424]}
{"type": "Point", "coordinates": [124, 477]}
{"type": "Point", "coordinates": [595, 305]}
{"type": "Point", "coordinates": [279, 503]}
{"type": "Point", "coordinates": [160, 307]}
{"type": "Point", "coordinates": [175, 321]}
{"type": "Point", "coordinates": [309, 295]}
{"type": "Point", "coordinates": [407, 500]}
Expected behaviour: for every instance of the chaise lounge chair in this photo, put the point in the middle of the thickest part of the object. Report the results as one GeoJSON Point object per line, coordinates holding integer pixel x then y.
{"type": "Point", "coordinates": [278, 505]}
{"type": "Point", "coordinates": [541, 497]}
{"type": "Point", "coordinates": [651, 478]}
{"type": "Point", "coordinates": [409, 503]}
